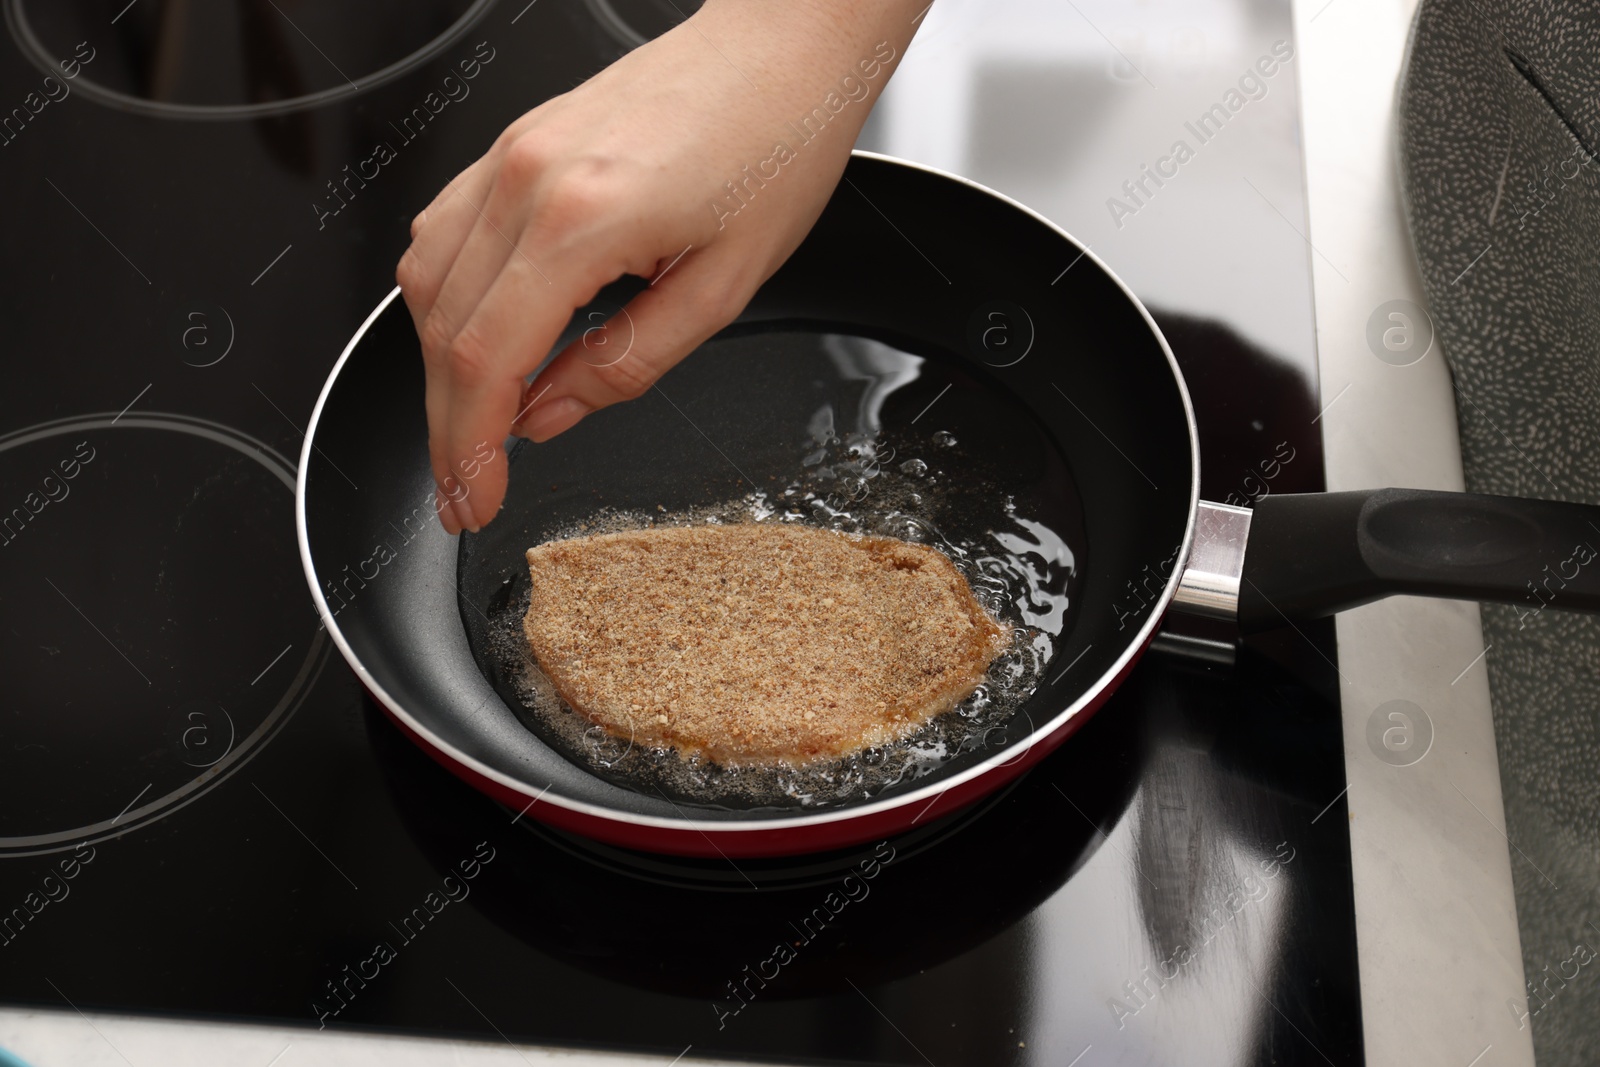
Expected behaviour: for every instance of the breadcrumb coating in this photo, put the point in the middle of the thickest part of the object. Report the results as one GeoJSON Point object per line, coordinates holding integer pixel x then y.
{"type": "Point", "coordinates": [756, 642]}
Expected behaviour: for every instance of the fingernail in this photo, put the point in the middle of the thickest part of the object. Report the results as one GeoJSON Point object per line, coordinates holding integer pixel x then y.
{"type": "Point", "coordinates": [553, 417]}
{"type": "Point", "coordinates": [446, 513]}
{"type": "Point", "coordinates": [464, 515]}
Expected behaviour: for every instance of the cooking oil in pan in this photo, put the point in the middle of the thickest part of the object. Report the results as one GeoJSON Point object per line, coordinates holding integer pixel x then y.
{"type": "Point", "coordinates": [917, 488]}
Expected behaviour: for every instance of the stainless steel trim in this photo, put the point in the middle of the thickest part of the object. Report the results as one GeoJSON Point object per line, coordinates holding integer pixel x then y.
{"type": "Point", "coordinates": [1210, 583]}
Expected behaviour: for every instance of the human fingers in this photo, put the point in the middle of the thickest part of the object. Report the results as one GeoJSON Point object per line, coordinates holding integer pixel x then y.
{"type": "Point", "coordinates": [495, 215]}
{"type": "Point", "coordinates": [487, 163]}
{"type": "Point", "coordinates": [506, 336]}
{"type": "Point", "coordinates": [437, 320]}
{"type": "Point", "coordinates": [456, 358]}
{"type": "Point", "coordinates": [464, 349]}
{"type": "Point", "coordinates": [437, 236]}
{"type": "Point", "coordinates": [683, 306]}
{"type": "Point", "coordinates": [499, 233]}
{"type": "Point", "coordinates": [470, 176]}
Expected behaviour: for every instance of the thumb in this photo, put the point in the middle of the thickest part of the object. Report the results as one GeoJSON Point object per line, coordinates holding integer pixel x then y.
{"type": "Point", "coordinates": [622, 358]}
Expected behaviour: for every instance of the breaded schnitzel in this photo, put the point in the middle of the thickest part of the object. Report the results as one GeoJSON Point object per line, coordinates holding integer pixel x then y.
{"type": "Point", "coordinates": [756, 642]}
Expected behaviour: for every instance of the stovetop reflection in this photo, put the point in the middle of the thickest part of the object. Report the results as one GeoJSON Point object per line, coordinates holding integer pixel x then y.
{"type": "Point", "coordinates": [1146, 887]}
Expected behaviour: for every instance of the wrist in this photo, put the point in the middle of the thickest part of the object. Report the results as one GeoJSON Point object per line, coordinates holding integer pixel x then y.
{"type": "Point", "coordinates": [796, 54]}
{"type": "Point", "coordinates": [809, 39]}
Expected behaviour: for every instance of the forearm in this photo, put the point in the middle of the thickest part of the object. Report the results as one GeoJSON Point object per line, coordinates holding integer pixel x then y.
{"type": "Point", "coordinates": [837, 53]}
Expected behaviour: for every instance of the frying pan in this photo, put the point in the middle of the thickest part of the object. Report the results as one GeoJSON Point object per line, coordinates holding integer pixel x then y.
{"type": "Point", "coordinates": [1077, 394]}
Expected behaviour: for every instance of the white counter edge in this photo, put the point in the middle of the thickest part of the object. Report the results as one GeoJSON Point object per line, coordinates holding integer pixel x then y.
{"type": "Point", "coordinates": [1436, 928]}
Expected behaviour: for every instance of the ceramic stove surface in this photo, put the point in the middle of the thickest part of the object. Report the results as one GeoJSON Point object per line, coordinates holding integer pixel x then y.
{"type": "Point", "coordinates": [203, 815]}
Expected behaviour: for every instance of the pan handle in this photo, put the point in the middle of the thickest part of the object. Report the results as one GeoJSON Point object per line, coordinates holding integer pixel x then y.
{"type": "Point", "coordinates": [1303, 556]}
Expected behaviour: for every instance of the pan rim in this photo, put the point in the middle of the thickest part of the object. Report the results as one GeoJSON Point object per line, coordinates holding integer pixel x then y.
{"type": "Point", "coordinates": [851, 812]}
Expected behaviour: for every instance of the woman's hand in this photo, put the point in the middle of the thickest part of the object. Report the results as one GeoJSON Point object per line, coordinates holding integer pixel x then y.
{"type": "Point", "coordinates": [699, 160]}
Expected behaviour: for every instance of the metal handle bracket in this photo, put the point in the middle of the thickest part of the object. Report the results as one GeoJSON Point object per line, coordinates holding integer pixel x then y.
{"type": "Point", "coordinates": [1210, 583]}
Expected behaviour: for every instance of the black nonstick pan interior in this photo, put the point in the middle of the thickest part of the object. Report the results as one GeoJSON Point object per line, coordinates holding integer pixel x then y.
{"type": "Point", "coordinates": [1080, 411]}
{"type": "Point", "coordinates": [802, 426]}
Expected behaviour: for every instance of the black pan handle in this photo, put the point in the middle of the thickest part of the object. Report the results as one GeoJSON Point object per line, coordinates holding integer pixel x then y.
{"type": "Point", "coordinates": [1310, 555]}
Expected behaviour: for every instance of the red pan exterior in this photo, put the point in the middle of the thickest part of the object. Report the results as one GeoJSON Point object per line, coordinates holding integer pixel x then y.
{"type": "Point", "coordinates": [780, 841]}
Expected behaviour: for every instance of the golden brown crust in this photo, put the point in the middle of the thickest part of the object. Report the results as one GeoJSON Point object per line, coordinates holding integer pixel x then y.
{"type": "Point", "coordinates": [756, 642]}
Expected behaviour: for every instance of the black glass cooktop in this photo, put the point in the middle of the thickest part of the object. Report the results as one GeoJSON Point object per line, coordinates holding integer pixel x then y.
{"type": "Point", "coordinates": [203, 815]}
